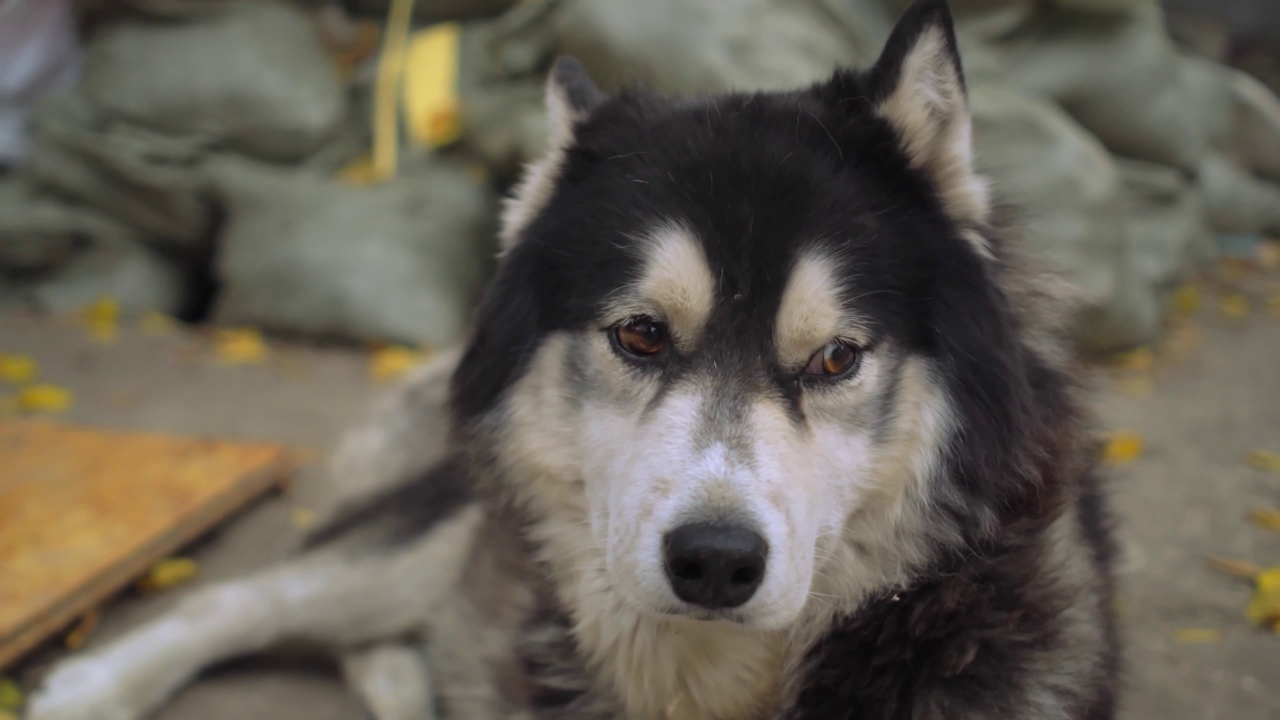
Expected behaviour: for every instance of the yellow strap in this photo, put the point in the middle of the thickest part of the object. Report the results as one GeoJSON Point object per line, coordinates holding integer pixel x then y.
{"type": "Point", "coordinates": [390, 67]}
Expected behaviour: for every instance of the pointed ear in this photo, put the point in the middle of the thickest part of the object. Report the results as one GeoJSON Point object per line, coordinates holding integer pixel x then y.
{"type": "Point", "coordinates": [571, 97]}
{"type": "Point", "coordinates": [918, 87]}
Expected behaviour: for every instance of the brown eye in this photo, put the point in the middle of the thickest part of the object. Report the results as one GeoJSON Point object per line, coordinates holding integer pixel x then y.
{"type": "Point", "coordinates": [836, 358]}
{"type": "Point", "coordinates": [642, 337]}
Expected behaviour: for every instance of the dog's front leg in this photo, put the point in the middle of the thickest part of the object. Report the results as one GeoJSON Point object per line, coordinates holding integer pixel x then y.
{"type": "Point", "coordinates": [329, 597]}
{"type": "Point", "coordinates": [392, 680]}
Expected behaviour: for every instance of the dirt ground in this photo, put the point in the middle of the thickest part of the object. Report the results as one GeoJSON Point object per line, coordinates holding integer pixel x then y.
{"type": "Point", "coordinates": [1188, 495]}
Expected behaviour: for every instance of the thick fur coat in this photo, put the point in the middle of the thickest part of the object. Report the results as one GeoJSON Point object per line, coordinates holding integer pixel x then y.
{"type": "Point", "coordinates": [763, 418]}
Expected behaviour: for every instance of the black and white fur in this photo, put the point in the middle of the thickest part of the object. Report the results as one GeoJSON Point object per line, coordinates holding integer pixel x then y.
{"type": "Point", "coordinates": [932, 539]}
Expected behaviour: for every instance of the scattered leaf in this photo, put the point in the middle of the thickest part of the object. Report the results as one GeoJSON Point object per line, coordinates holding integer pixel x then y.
{"type": "Point", "coordinates": [241, 346]}
{"type": "Point", "coordinates": [1139, 360]}
{"type": "Point", "coordinates": [17, 369]}
{"type": "Point", "coordinates": [1186, 301]}
{"type": "Point", "coordinates": [157, 323]}
{"type": "Point", "coordinates": [44, 398]}
{"type": "Point", "coordinates": [1197, 636]}
{"type": "Point", "coordinates": [303, 518]}
{"type": "Point", "coordinates": [393, 361]}
{"type": "Point", "coordinates": [292, 367]}
{"type": "Point", "coordinates": [81, 632]}
{"type": "Point", "coordinates": [359, 172]}
{"type": "Point", "coordinates": [1265, 460]}
{"type": "Point", "coordinates": [1269, 254]}
{"type": "Point", "coordinates": [1234, 306]}
{"type": "Point", "coordinates": [10, 694]}
{"type": "Point", "coordinates": [1264, 609]}
{"type": "Point", "coordinates": [477, 173]}
{"type": "Point", "coordinates": [168, 573]}
{"type": "Point", "coordinates": [1235, 568]}
{"type": "Point", "coordinates": [102, 318]}
{"type": "Point", "coordinates": [1122, 447]}
{"type": "Point", "coordinates": [1134, 386]}
{"type": "Point", "coordinates": [1266, 519]}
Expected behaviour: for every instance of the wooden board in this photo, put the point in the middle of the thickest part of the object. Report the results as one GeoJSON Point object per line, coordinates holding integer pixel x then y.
{"type": "Point", "coordinates": [84, 512]}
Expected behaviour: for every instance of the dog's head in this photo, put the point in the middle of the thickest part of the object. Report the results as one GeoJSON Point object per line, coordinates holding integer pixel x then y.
{"type": "Point", "coordinates": [746, 352]}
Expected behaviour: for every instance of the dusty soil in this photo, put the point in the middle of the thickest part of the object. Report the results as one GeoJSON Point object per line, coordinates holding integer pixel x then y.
{"type": "Point", "coordinates": [1187, 496]}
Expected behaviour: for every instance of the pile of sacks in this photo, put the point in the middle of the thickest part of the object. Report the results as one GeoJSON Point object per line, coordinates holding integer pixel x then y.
{"type": "Point", "coordinates": [192, 170]}
{"type": "Point", "coordinates": [198, 152]}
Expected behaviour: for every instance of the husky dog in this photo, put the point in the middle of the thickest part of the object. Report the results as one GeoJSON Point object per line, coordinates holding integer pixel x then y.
{"type": "Point", "coordinates": [761, 419]}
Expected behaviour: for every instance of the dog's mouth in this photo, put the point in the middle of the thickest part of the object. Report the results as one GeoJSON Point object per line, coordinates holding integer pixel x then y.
{"type": "Point", "coordinates": [698, 614]}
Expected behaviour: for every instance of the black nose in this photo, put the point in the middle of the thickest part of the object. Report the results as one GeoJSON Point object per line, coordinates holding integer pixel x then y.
{"type": "Point", "coordinates": [714, 565]}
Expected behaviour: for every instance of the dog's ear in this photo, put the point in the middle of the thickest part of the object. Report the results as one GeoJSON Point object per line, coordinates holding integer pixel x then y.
{"type": "Point", "coordinates": [570, 99]}
{"type": "Point", "coordinates": [506, 329]}
{"type": "Point", "coordinates": [571, 96]}
{"type": "Point", "coordinates": [918, 87]}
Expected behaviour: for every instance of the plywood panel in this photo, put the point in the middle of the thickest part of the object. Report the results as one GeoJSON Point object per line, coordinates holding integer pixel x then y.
{"type": "Point", "coordinates": [83, 512]}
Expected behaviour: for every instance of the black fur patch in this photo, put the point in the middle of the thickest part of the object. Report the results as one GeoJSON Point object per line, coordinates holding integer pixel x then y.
{"type": "Point", "coordinates": [403, 512]}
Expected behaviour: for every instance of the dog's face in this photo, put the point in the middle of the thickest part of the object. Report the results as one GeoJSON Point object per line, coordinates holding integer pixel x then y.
{"type": "Point", "coordinates": [723, 357]}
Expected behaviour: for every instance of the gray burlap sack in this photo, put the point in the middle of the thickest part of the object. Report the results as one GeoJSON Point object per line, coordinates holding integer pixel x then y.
{"type": "Point", "coordinates": [307, 255]}
{"type": "Point", "coordinates": [151, 183]}
{"type": "Point", "coordinates": [1167, 223]}
{"type": "Point", "coordinates": [1118, 74]}
{"type": "Point", "coordinates": [1073, 211]}
{"type": "Point", "coordinates": [680, 46]}
{"type": "Point", "coordinates": [254, 77]}
{"type": "Point", "coordinates": [1237, 202]}
{"type": "Point", "coordinates": [58, 258]}
{"type": "Point", "coordinates": [669, 45]}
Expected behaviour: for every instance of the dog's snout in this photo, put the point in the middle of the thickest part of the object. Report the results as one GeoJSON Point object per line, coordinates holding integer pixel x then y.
{"type": "Point", "coordinates": [713, 565]}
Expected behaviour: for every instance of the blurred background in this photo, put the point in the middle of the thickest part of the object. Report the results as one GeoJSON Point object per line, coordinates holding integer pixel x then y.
{"type": "Point", "coordinates": [235, 219]}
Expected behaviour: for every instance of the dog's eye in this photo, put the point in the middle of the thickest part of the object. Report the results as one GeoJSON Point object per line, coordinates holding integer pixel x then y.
{"type": "Point", "coordinates": [836, 358]}
{"type": "Point", "coordinates": [642, 337]}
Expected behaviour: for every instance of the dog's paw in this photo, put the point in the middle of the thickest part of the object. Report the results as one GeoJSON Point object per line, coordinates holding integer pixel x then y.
{"type": "Point", "coordinates": [82, 689]}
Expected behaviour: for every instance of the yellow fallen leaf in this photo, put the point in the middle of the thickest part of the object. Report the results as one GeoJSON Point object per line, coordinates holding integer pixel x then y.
{"type": "Point", "coordinates": [1139, 360]}
{"type": "Point", "coordinates": [157, 323]}
{"type": "Point", "coordinates": [393, 361]}
{"type": "Point", "coordinates": [168, 573]}
{"type": "Point", "coordinates": [1134, 386]}
{"type": "Point", "coordinates": [477, 173]}
{"type": "Point", "coordinates": [81, 632]}
{"type": "Point", "coordinates": [1265, 460]}
{"type": "Point", "coordinates": [359, 172]}
{"type": "Point", "coordinates": [1269, 254]}
{"type": "Point", "coordinates": [1234, 306]}
{"type": "Point", "coordinates": [17, 369]}
{"type": "Point", "coordinates": [303, 518]}
{"type": "Point", "coordinates": [44, 398]}
{"type": "Point", "coordinates": [1197, 636]}
{"type": "Point", "coordinates": [1266, 519]}
{"type": "Point", "coordinates": [1264, 608]}
{"type": "Point", "coordinates": [102, 318]}
{"type": "Point", "coordinates": [240, 346]}
{"type": "Point", "coordinates": [1122, 447]}
{"type": "Point", "coordinates": [6, 715]}
{"type": "Point", "coordinates": [1186, 301]}
{"type": "Point", "coordinates": [10, 694]}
